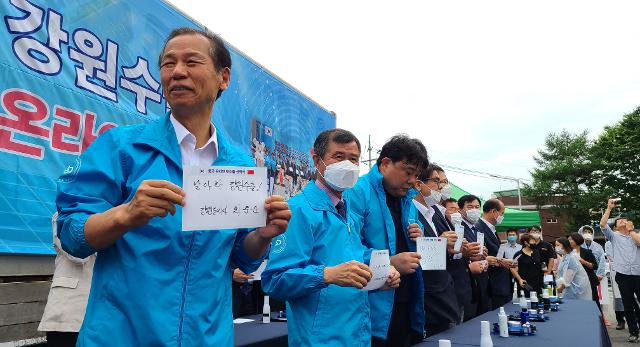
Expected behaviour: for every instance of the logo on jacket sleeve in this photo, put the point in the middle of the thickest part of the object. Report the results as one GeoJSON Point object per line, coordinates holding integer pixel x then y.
{"type": "Point", "coordinates": [278, 244]}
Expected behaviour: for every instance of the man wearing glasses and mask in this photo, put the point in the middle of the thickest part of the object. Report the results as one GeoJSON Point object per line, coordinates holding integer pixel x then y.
{"type": "Point", "coordinates": [443, 296]}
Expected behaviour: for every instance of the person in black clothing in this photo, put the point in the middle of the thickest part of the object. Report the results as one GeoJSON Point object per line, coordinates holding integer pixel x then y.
{"type": "Point", "coordinates": [499, 274]}
{"type": "Point", "coordinates": [457, 263]}
{"type": "Point", "coordinates": [248, 297]}
{"type": "Point", "coordinates": [440, 301]}
{"type": "Point", "coordinates": [546, 249]}
{"type": "Point", "coordinates": [400, 316]}
{"type": "Point", "coordinates": [479, 301]}
{"type": "Point", "coordinates": [529, 267]}
{"type": "Point", "coordinates": [589, 263]}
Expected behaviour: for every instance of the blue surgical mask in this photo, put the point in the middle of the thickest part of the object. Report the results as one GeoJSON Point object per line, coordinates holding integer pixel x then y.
{"type": "Point", "coordinates": [512, 238]}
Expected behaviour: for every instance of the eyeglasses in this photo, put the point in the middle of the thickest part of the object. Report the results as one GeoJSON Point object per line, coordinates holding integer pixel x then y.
{"type": "Point", "coordinates": [438, 182]}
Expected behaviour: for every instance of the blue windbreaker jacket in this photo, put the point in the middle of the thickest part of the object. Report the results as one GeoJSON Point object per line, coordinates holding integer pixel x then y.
{"type": "Point", "coordinates": [318, 314]}
{"type": "Point", "coordinates": [156, 285]}
{"type": "Point", "coordinates": [375, 224]}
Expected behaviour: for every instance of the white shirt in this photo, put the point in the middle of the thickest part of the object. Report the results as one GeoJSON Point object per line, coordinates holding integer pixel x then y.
{"type": "Point", "coordinates": [491, 226]}
{"type": "Point", "coordinates": [192, 156]}
{"type": "Point", "coordinates": [508, 250]}
{"type": "Point", "coordinates": [427, 212]}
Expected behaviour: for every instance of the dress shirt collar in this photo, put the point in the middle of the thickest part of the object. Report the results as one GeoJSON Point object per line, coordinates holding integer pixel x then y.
{"type": "Point", "coordinates": [491, 226]}
{"type": "Point", "coordinates": [183, 134]}
{"type": "Point", "coordinates": [332, 195]}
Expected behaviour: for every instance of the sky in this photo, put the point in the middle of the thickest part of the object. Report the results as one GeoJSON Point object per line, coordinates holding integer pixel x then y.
{"type": "Point", "coordinates": [481, 83]}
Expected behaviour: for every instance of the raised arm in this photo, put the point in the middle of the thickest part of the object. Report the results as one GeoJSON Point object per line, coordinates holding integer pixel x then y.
{"type": "Point", "coordinates": [607, 213]}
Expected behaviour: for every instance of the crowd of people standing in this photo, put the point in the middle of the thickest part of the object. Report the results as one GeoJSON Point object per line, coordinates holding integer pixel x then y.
{"type": "Point", "coordinates": [155, 284]}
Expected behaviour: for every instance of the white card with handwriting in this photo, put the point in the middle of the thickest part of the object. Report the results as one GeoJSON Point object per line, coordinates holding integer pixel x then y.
{"type": "Point", "coordinates": [380, 267]}
{"type": "Point", "coordinates": [224, 197]}
{"type": "Point", "coordinates": [433, 252]}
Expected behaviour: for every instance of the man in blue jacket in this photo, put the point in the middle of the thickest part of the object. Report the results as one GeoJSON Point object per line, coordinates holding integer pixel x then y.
{"type": "Point", "coordinates": [382, 204]}
{"type": "Point", "coordinates": [317, 265]}
{"type": "Point", "coordinates": [153, 284]}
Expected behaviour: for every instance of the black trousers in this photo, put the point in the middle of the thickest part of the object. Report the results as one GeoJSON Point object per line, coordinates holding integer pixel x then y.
{"type": "Point", "coordinates": [470, 311]}
{"type": "Point", "coordinates": [620, 314]}
{"type": "Point", "coordinates": [61, 339]}
{"type": "Point", "coordinates": [399, 333]}
{"type": "Point", "coordinates": [499, 300]}
{"type": "Point", "coordinates": [629, 286]}
{"type": "Point", "coordinates": [527, 293]}
{"type": "Point", "coordinates": [620, 317]}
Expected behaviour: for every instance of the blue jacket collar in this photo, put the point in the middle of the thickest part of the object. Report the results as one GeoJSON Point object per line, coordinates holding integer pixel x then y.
{"type": "Point", "coordinates": [161, 135]}
{"type": "Point", "coordinates": [376, 181]}
{"type": "Point", "coordinates": [317, 198]}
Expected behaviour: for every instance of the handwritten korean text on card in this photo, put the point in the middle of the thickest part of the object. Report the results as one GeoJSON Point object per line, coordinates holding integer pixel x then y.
{"type": "Point", "coordinates": [433, 252]}
{"type": "Point", "coordinates": [380, 267]}
{"type": "Point", "coordinates": [224, 197]}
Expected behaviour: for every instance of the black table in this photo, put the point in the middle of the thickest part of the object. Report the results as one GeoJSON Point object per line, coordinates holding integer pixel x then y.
{"type": "Point", "coordinates": [257, 334]}
{"type": "Point", "coordinates": [577, 323]}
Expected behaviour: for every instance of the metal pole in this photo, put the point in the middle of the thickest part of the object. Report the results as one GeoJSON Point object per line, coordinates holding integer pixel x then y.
{"type": "Point", "coordinates": [519, 196]}
{"type": "Point", "coordinates": [369, 149]}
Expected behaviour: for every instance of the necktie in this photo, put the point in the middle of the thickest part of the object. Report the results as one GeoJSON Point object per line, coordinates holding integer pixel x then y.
{"type": "Point", "coordinates": [341, 208]}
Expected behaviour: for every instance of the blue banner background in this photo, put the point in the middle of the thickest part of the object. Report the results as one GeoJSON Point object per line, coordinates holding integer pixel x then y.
{"type": "Point", "coordinates": [257, 104]}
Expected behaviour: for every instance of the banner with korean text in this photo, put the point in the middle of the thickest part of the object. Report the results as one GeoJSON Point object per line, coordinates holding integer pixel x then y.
{"type": "Point", "coordinates": [71, 70]}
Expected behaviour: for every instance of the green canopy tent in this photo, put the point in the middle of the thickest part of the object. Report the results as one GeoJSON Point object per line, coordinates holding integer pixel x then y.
{"type": "Point", "coordinates": [513, 218]}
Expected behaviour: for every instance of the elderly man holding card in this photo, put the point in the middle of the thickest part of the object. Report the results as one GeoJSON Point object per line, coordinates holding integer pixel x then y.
{"type": "Point", "coordinates": [499, 268]}
{"type": "Point", "coordinates": [155, 284]}
{"type": "Point", "coordinates": [317, 265]}
{"type": "Point", "coordinates": [385, 218]}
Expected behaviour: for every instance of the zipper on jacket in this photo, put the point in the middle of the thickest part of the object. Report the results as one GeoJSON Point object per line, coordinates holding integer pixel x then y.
{"type": "Point", "coordinates": [184, 287]}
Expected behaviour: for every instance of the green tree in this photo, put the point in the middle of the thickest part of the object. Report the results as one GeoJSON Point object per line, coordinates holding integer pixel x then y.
{"type": "Point", "coordinates": [568, 177]}
{"type": "Point", "coordinates": [618, 148]}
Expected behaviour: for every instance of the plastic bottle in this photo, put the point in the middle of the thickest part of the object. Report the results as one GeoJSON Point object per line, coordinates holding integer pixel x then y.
{"type": "Point", "coordinates": [485, 334]}
{"type": "Point", "coordinates": [266, 310]}
{"type": "Point", "coordinates": [524, 315]}
{"type": "Point", "coordinates": [526, 328]}
{"type": "Point", "coordinates": [534, 300]}
{"type": "Point", "coordinates": [546, 303]}
{"type": "Point", "coordinates": [523, 299]}
{"type": "Point", "coordinates": [503, 323]}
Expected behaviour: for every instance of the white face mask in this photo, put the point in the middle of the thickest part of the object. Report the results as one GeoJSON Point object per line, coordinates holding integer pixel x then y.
{"type": "Point", "coordinates": [446, 192]}
{"type": "Point", "coordinates": [474, 215]}
{"type": "Point", "coordinates": [535, 236]}
{"type": "Point", "coordinates": [499, 220]}
{"type": "Point", "coordinates": [456, 218]}
{"type": "Point", "coordinates": [588, 236]}
{"type": "Point", "coordinates": [435, 197]}
{"type": "Point", "coordinates": [560, 251]}
{"type": "Point", "coordinates": [341, 175]}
